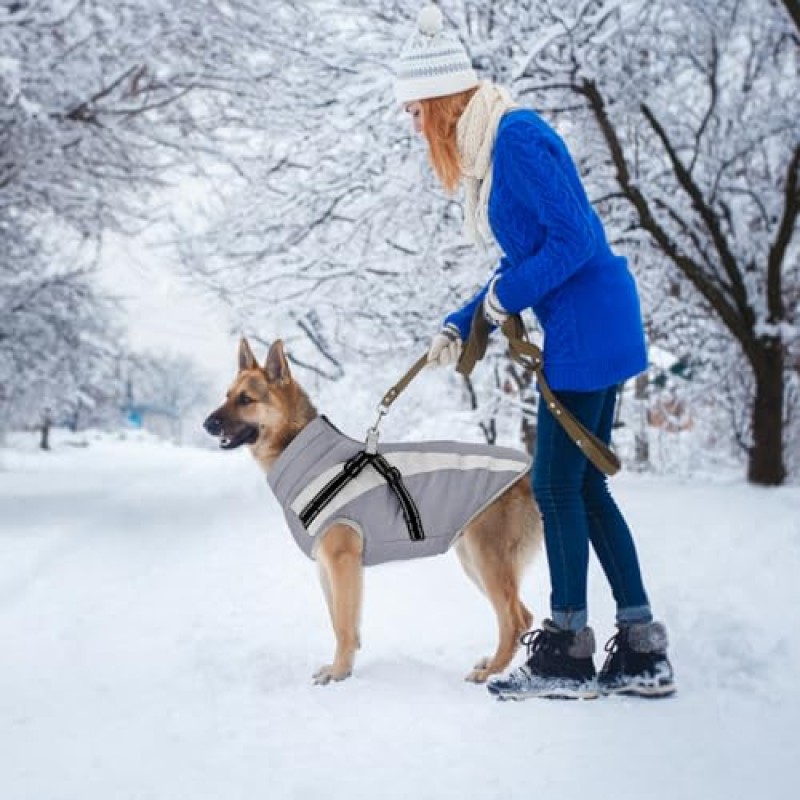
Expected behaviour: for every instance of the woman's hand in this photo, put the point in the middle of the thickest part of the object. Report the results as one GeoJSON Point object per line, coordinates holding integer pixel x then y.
{"type": "Point", "coordinates": [445, 347]}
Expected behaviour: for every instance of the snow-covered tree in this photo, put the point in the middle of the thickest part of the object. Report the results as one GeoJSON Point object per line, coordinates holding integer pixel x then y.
{"type": "Point", "coordinates": [102, 106]}
{"type": "Point", "coordinates": [336, 235]}
{"type": "Point", "coordinates": [100, 101]}
{"type": "Point", "coordinates": [688, 119]}
{"type": "Point", "coordinates": [325, 225]}
{"type": "Point", "coordinates": [58, 342]}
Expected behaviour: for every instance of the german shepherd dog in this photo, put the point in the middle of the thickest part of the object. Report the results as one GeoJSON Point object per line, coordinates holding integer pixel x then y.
{"type": "Point", "coordinates": [266, 408]}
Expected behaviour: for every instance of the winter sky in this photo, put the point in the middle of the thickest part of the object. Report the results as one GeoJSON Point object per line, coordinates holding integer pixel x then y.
{"type": "Point", "coordinates": [164, 312]}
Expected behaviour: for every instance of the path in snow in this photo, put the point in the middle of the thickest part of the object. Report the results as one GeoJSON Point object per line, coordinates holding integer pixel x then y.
{"type": "Point", "coordinates": [159, 630]}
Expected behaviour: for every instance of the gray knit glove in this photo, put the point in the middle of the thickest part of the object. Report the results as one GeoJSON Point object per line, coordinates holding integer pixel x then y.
{"type": "Point", "coordinates": [445, 347]}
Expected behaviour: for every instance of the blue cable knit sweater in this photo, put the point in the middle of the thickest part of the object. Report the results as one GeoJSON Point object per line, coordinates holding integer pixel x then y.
{"type": "Point", "coordinates": [558, 262]}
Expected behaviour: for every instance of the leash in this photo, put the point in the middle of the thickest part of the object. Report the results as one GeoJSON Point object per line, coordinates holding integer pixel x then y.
{"type": "Point", "coordinates": [528, 355]}
{"type": "Point", "coordinates": [390, 397]}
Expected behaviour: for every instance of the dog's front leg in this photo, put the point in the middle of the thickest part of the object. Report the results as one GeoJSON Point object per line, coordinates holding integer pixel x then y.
{"type": "Point", "coordinates": [341, 573]}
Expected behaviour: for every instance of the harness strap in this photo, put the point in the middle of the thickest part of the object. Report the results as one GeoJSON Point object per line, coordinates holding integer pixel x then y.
{"type": "Point", "coordinates": [394, 479]}
{"type": "Point", "coordinates": [351, 469]}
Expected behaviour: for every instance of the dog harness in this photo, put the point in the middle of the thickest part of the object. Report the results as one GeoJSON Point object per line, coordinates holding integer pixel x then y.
{"type": "Point", "coordinates": [406, 501]}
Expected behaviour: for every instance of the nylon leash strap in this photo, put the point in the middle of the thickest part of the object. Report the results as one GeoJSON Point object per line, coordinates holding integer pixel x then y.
{"type": "Point", "coordinates": [528, 355]}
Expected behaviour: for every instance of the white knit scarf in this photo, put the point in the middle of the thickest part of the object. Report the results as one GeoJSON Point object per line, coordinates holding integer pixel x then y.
{"type": "Point", "coordinates": [475, 135]}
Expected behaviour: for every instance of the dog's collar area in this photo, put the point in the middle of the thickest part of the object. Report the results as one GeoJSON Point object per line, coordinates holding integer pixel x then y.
{"type": "Point", "coordinates": [282, 471]}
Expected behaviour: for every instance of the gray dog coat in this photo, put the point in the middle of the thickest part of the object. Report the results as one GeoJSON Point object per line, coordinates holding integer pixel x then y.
{"type": "Point", "coordinates": [450, 483]}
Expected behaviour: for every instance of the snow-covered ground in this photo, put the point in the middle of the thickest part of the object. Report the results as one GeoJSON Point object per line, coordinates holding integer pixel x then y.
{"type": "Point", "coordinates": [158, 631]}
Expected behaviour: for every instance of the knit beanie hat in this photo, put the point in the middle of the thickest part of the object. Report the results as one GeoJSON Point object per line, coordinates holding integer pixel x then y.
{"type": "Point", "coordinates": [432, 63]}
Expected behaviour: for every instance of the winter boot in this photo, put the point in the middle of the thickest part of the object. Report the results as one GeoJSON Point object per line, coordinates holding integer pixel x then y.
{"type": "Point", "coordinates": [637, 662]}
{"type": "Point", "coordinates": [559, 665]}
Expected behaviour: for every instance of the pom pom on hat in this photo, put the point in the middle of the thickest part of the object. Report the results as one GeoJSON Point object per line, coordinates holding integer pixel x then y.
{"type": "Point", "coordinates": [433, 62]}
{"type": "Point", "coordinates": [429, 20]}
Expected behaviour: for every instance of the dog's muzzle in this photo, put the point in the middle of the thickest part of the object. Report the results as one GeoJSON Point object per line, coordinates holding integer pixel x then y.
{"type": "Point", "coordinates": [243, 434]}
{"type": "Point", "coordinates": [213, 425]}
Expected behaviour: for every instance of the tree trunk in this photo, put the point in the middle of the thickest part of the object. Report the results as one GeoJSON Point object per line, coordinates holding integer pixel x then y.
{"type": "Point", "coordinates": [641, 438]}
{"type": "Point", "coordinates": [44, 442]}
{"type": "Point", "coordinates": [489, 430]}
{"type": "Point", "coordinates": [529, 434]}
{"type": "Point", "coordinates": [765, 466]}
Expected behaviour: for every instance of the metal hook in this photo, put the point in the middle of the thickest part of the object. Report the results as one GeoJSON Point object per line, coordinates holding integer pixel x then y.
{"type": "Point", "coordinates": [373, 433]}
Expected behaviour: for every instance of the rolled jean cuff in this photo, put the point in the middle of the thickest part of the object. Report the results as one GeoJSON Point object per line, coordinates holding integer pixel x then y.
{"type": "Point", "coordinates": [573, 619]}
{"type": "Point", "coordinates": [634, 615]}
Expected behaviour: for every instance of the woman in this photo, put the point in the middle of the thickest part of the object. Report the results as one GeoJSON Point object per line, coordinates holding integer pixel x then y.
{"type": "Point", "coordinates": [522, 188]}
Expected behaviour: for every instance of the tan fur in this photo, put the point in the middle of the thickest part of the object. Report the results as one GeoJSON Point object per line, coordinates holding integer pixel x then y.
{"type": "Point", "coordinates": [341, 573]}
{"type": "Point", "coordinates": [494, 549]}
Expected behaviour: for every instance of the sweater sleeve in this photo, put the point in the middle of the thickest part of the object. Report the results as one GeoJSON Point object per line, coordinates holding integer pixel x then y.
{"type": "Point", "coordinates": [462, 319]}
{"type": "Point", "coordinates": [537, 181]}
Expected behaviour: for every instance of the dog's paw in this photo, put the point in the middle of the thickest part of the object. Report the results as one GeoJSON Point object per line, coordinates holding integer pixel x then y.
{"type": "Point", "coordinates": [478, 675]}
{"type": "Point", "coordinates": [484, 669]}
{"type": "Point", "coordinates": [328, 673]}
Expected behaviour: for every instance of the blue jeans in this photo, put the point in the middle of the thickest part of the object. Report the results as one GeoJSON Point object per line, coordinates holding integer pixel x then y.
{"type": "Point", "coordinates": [577, 508]}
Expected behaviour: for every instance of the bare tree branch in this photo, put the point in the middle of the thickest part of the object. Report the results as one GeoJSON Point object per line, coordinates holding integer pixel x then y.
{"type": "Point", "coordinates": [793, 9]}
{"type": "Point", "coordinates": [786, 230]}
{"type": "Point", "coordinates": [708, 216]}
{"type": "Point", "coordinates": [647, 219]}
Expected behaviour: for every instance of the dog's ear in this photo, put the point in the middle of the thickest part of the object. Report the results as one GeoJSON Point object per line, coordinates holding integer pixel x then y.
{"type": "Point", "coordinates": [276, 366]}
{"type": "Point", "coordinates": [246, 358]}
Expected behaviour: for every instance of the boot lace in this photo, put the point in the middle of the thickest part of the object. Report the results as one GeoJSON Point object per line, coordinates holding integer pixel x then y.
{"type": "Point", "coordinates": [612, 648]}
{"type": "Point", "coordinates": [533, 641]}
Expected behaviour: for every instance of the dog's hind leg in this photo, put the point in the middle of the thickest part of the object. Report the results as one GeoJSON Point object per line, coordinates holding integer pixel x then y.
{"type": "Point", "coordinates": [462, 551]}
{"type": "Point", "coordinates": [494, 550]}
{"type": "Point", "coordinates": [500, 586]}
{"type": "Point", "coordinates": [341, 574]}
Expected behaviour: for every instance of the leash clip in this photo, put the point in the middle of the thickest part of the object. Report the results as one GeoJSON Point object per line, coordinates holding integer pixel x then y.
{"type": "Point", "coordinates": [373, 433]}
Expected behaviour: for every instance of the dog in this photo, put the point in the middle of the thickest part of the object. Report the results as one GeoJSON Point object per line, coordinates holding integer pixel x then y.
{"type": "Point", "coordinates": [266, 409]}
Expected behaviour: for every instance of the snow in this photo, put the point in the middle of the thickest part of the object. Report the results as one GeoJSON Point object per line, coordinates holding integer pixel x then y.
{"type": "Point", "coordinates": [159, 630]}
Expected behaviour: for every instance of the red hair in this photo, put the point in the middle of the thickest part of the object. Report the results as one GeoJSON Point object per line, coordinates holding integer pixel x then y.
{"type": "Point", "coordinates": [440, 116]}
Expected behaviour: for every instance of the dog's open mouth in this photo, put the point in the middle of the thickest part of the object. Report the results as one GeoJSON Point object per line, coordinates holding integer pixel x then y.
{"type": "Point", "coordinates": [245, 435]}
